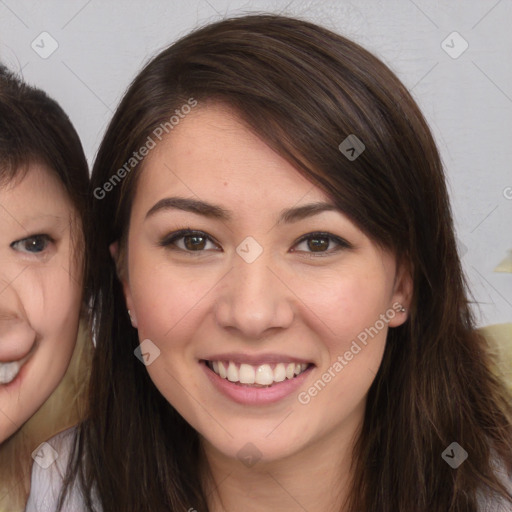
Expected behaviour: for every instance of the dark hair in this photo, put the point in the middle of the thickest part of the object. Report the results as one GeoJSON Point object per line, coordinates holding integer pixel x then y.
{"type": "Point", "coordinates": [35, 129]}
{"type": "Point", "coordinates": [302, 89]}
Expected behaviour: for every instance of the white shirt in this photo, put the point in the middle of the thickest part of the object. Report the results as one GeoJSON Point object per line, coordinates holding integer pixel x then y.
{"type": "Point", "coordinates": [46, 482]}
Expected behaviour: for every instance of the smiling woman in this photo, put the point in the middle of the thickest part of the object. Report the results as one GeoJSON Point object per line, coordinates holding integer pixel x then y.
{"type": "Point", "coordinates": [43, 180]}
{"type": "Point", "coordinates": [291, 237]}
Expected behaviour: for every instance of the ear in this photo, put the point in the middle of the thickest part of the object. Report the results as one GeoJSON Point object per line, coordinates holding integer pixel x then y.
{"type": "Point", "coordinates": [402, 295]}
{"type": "Point", "coordinates": [119, 262]}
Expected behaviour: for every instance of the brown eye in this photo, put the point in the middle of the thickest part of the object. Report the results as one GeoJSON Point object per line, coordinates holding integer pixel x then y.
{"type": "Point", "coordinates": [195, 242]}
{"type": "Point", "coordinates": [318, 244]}
{"type": "Point", "coordinates": [189, 241]}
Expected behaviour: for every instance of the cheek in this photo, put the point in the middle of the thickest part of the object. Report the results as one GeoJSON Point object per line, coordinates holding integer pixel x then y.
{"type": "Point", "coordinates": [52, 298]}
{"type": "Point", "coordinates": [340, 306]}
{"type": "Point", "coordinates": [345, 317]}
{"type": "Point", "coordinates": [51, 302]}
{"type": "Point", "coordinates": [167, 300]}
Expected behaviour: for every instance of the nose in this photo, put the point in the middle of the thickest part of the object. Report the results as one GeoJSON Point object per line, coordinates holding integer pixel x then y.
{"type": "Point", "coordinates": [254, 300]}
{"type": "Point", "coordinates": [16, 335]}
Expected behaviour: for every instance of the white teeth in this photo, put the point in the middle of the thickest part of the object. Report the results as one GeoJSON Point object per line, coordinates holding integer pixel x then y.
{"type": "Point", "coordinates": [9, 371]}
{"type": "Point", "coordinates": [279, 372]}
{"type": "Point", "coordinates": [247, 374]}
{"type": "Point", "coordinates": [233, 372]}
{"type": "Point", "coordinates": [262, 375]}
{"type": "Point", "coordinates": [222, 370]}
{"type": "Point", "coordinates": [290, 367]}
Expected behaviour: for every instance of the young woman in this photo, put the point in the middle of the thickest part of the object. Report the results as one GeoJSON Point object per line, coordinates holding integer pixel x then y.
{"type": "Point", "coordinates": [43, 187]}
{"type": "Point", "coordinates": [283, 324]}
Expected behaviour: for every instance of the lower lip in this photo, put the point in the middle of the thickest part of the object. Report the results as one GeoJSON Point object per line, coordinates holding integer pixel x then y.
{"type": "Point", "coordinates": [247, 395]}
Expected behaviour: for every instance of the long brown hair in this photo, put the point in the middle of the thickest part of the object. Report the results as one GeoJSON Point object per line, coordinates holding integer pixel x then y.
{"type": "Point", "coordinates": [35, 129]}
{"type": "Point", "coordinates": [302, 89]}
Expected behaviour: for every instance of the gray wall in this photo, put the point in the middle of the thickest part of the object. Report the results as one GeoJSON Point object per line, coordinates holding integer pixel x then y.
{"type": "Point", "coordinates": [466, 97]}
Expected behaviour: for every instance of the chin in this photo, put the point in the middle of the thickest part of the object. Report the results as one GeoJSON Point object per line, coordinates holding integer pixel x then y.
{"type": "Point", "coordinates": [255, 446]}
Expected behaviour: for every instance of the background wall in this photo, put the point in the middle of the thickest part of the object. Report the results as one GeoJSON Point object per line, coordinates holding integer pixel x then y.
{"type": "Point", "coordinates": [84, 53]}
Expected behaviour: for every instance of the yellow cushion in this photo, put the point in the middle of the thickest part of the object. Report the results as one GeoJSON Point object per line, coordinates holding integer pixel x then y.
{"type": "Point", "coordinates": [500, 337]}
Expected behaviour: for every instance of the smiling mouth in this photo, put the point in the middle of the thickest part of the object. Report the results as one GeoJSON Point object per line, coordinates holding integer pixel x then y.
{"type": "Point", "coordinates": [10, 370]}
{"type": "Point", "coordinates": [263, 375]}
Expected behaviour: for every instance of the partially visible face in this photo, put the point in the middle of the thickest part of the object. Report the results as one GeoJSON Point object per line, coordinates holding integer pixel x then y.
{"type": "Point", "coordinates": [253, 287]}
{"type": "Point", "coordinates": [40, 293]}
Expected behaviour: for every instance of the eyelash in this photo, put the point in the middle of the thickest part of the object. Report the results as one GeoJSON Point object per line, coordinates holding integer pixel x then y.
{"type": "Point", "coordinates": [170, 240]}
{"type": "Point", "coordinates": [34, 238]}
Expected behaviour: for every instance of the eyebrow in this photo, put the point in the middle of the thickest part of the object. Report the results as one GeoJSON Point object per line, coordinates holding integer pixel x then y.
{"type": "Point", "coordinates": [199, 207]}
{"type": "Point", "coordinates": [30, 220]}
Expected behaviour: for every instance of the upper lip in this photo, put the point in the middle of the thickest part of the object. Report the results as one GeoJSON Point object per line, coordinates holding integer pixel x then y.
{"type": "Point", "coordinates": [256, 359]}
{"type": "Point", "coordinates": [21, 358]}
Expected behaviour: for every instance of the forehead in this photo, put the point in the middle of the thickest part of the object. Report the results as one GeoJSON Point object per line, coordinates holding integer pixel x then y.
{"type": "Point", "coordinates": [212, 153]}
{"type": "Point", "coordinates": [34, 193]}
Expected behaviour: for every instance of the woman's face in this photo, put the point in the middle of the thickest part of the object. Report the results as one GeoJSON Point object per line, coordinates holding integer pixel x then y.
{"type": "Point", "coordinates": [40, 293]}
{"type": "Point", "coordinates": [262, 310]}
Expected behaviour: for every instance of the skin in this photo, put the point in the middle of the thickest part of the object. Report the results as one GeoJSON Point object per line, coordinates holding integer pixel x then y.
{"type": "Point", "coordinates": [290, 301]}
{"type": "Point", "coordinates": [40, 291]}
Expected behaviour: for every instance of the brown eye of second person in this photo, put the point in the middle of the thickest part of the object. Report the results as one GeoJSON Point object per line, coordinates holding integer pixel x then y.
{"type": "Point", "coordinates": [318, 244]}
{"type": "Point", "coordinates": [188, 240]}
{"type": "Point", "coordinates": [195, 242]}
